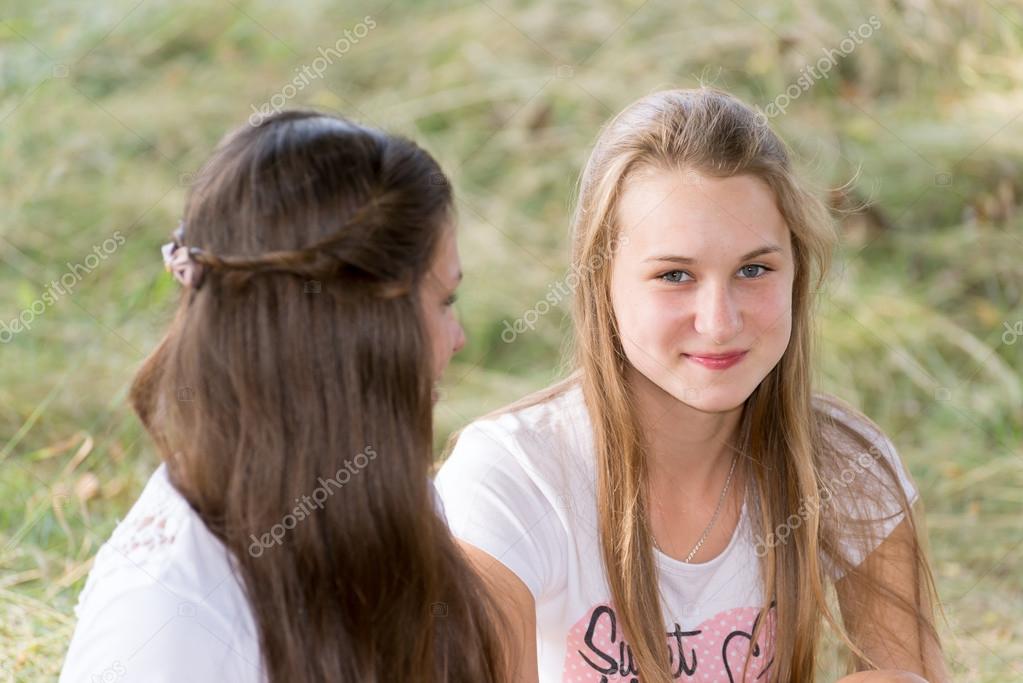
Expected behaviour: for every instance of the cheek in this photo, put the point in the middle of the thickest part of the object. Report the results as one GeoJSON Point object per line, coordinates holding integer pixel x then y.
{"type": "Point", "coordinates": [651, 326]}
{"type": "Point", "coordinates": [447, 333]}
{"type": "Point", "coordinates": [435, 334]}
{"type": "Point", "coordinates": [770, 318]}
{"type": "Point", "coordinates": [442, 335]}
{"type": "Point", "coordinates": [453, 331]}
{"type": "Point", "coordinates": [659, 318]}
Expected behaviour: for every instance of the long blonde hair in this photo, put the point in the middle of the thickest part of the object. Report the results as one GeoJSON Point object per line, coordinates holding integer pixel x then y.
{"type": "Point", "coordinates": [795, 451]}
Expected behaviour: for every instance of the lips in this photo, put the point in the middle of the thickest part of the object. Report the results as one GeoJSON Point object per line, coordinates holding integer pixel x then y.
{"type": "Point", "coordinates": [717, 356]}
{"type": "Point", "coordinates": [718, 361]}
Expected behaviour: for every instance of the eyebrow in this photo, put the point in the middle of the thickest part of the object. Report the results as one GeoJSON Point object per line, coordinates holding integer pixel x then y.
{"type": "Point", "coordinates": [766, 249]}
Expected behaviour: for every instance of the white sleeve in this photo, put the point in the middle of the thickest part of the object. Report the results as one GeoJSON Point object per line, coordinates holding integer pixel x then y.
{"type": "Point", "coordinates": [878, 504]}
{"type": "Point", "coordinates": [148, 634]}
{"type": "Point", "coordinates": [493, 503]}
{"type": "Point", "coordinates": [438, 502]}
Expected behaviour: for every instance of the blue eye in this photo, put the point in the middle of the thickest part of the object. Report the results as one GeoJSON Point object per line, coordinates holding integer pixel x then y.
{"type": "Point", "coordinates": [669, 275]}
{"type": "Point", "coordinates": [755, 265]}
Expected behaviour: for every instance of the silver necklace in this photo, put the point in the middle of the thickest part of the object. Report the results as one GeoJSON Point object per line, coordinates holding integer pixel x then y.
{"type": "Point", "coordinates": [713, 519]}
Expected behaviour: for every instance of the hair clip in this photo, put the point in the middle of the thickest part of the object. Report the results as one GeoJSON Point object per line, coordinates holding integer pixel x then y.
{"type": "Point", "coordinates": [180, 262]}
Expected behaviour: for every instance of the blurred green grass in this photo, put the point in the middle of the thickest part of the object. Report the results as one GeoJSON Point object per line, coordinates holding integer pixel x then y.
{"type": "Point", "coordinates": [107, 109]}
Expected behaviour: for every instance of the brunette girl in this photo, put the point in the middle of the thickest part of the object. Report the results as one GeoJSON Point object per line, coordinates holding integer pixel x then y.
{"type": "Point", "coordinates": [291, 534]}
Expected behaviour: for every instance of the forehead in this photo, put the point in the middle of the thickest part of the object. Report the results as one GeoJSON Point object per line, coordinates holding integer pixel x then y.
{"type": "Point", "coordinates": [447, 266]}
{"type": "Point", "coordinates": [706, 218]}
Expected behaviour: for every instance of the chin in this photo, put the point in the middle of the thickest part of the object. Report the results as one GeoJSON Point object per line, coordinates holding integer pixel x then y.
{"type": "Point", "coordinates": [723, 403]}
{"type": "Point", "coordinates": [712, 398]}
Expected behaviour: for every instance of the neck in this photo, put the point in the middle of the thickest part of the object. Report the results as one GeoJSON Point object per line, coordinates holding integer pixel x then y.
{"type": "Point", "coordinates": [687, 448]}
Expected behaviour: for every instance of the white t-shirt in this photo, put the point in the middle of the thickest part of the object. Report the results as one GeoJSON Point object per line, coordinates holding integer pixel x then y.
{"type": "Point", "coordinates": [162, 603]}
{"type": "Point", "coordinates": [521, 487]}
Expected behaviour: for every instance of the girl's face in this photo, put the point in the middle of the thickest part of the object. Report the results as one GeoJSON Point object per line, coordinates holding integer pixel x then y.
{"type": "Point", "coordinates": [438, 297]}
{"type": "Point", "coordinates": [706, 268]}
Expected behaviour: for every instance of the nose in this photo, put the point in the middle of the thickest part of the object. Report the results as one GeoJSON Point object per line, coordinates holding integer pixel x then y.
{"type": "Point", "coordinates": [460, 338]}
{"type": "Point", "coordinates": [717, 315]}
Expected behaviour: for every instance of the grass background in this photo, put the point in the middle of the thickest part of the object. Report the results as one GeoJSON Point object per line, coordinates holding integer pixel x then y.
{"type": "Point", "coordinates": [107, 108]}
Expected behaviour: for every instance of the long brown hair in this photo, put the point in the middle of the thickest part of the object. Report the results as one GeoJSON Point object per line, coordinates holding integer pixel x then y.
{"type": "Point", "coordinates": [291, 401]}
{"type": "Point", "coordinates": [796, 453]}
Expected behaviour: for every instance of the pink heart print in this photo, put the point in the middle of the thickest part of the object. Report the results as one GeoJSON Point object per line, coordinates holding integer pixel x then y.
{"type": "Point", "coordinates": [713, 652]}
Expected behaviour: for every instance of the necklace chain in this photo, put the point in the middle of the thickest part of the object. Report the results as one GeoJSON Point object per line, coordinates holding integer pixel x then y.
{"type": "Point", "coordinates": [713, 519]}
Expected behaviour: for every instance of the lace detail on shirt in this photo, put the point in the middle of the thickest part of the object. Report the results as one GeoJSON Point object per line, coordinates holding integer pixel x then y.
{"type": "Point", "coordinates": [152, 524]}
{"type": "Point", "coordinates": [144, 537]}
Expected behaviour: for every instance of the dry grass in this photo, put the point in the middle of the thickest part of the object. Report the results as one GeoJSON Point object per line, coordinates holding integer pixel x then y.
{"type": "Point", "coordinates": [106, 109]}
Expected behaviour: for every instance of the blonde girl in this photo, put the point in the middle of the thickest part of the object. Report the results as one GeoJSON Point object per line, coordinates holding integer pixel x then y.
{"type": "Point", "coordinates": [678, 507]}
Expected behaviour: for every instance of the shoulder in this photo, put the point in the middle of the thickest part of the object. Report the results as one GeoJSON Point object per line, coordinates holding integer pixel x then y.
{"type": "Point", "coordinates": [838, 417]}
{"type": "Point", "coordinates": [512, 486]}
{"type": "Point", "coordinates": [859, 466]}
{"type": "Point", "coordinates": [554, 418]}
{"type": "Point", "coordinates": [161, 541]}
{"type": "Point", "coordinates": [853, 445]}
{"type": "Point", "coordinates": [866, 487]}
{"type": "Point", "coordinates": [546, 439]}
{"type": "Point", "coordinates": [161, 586]}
